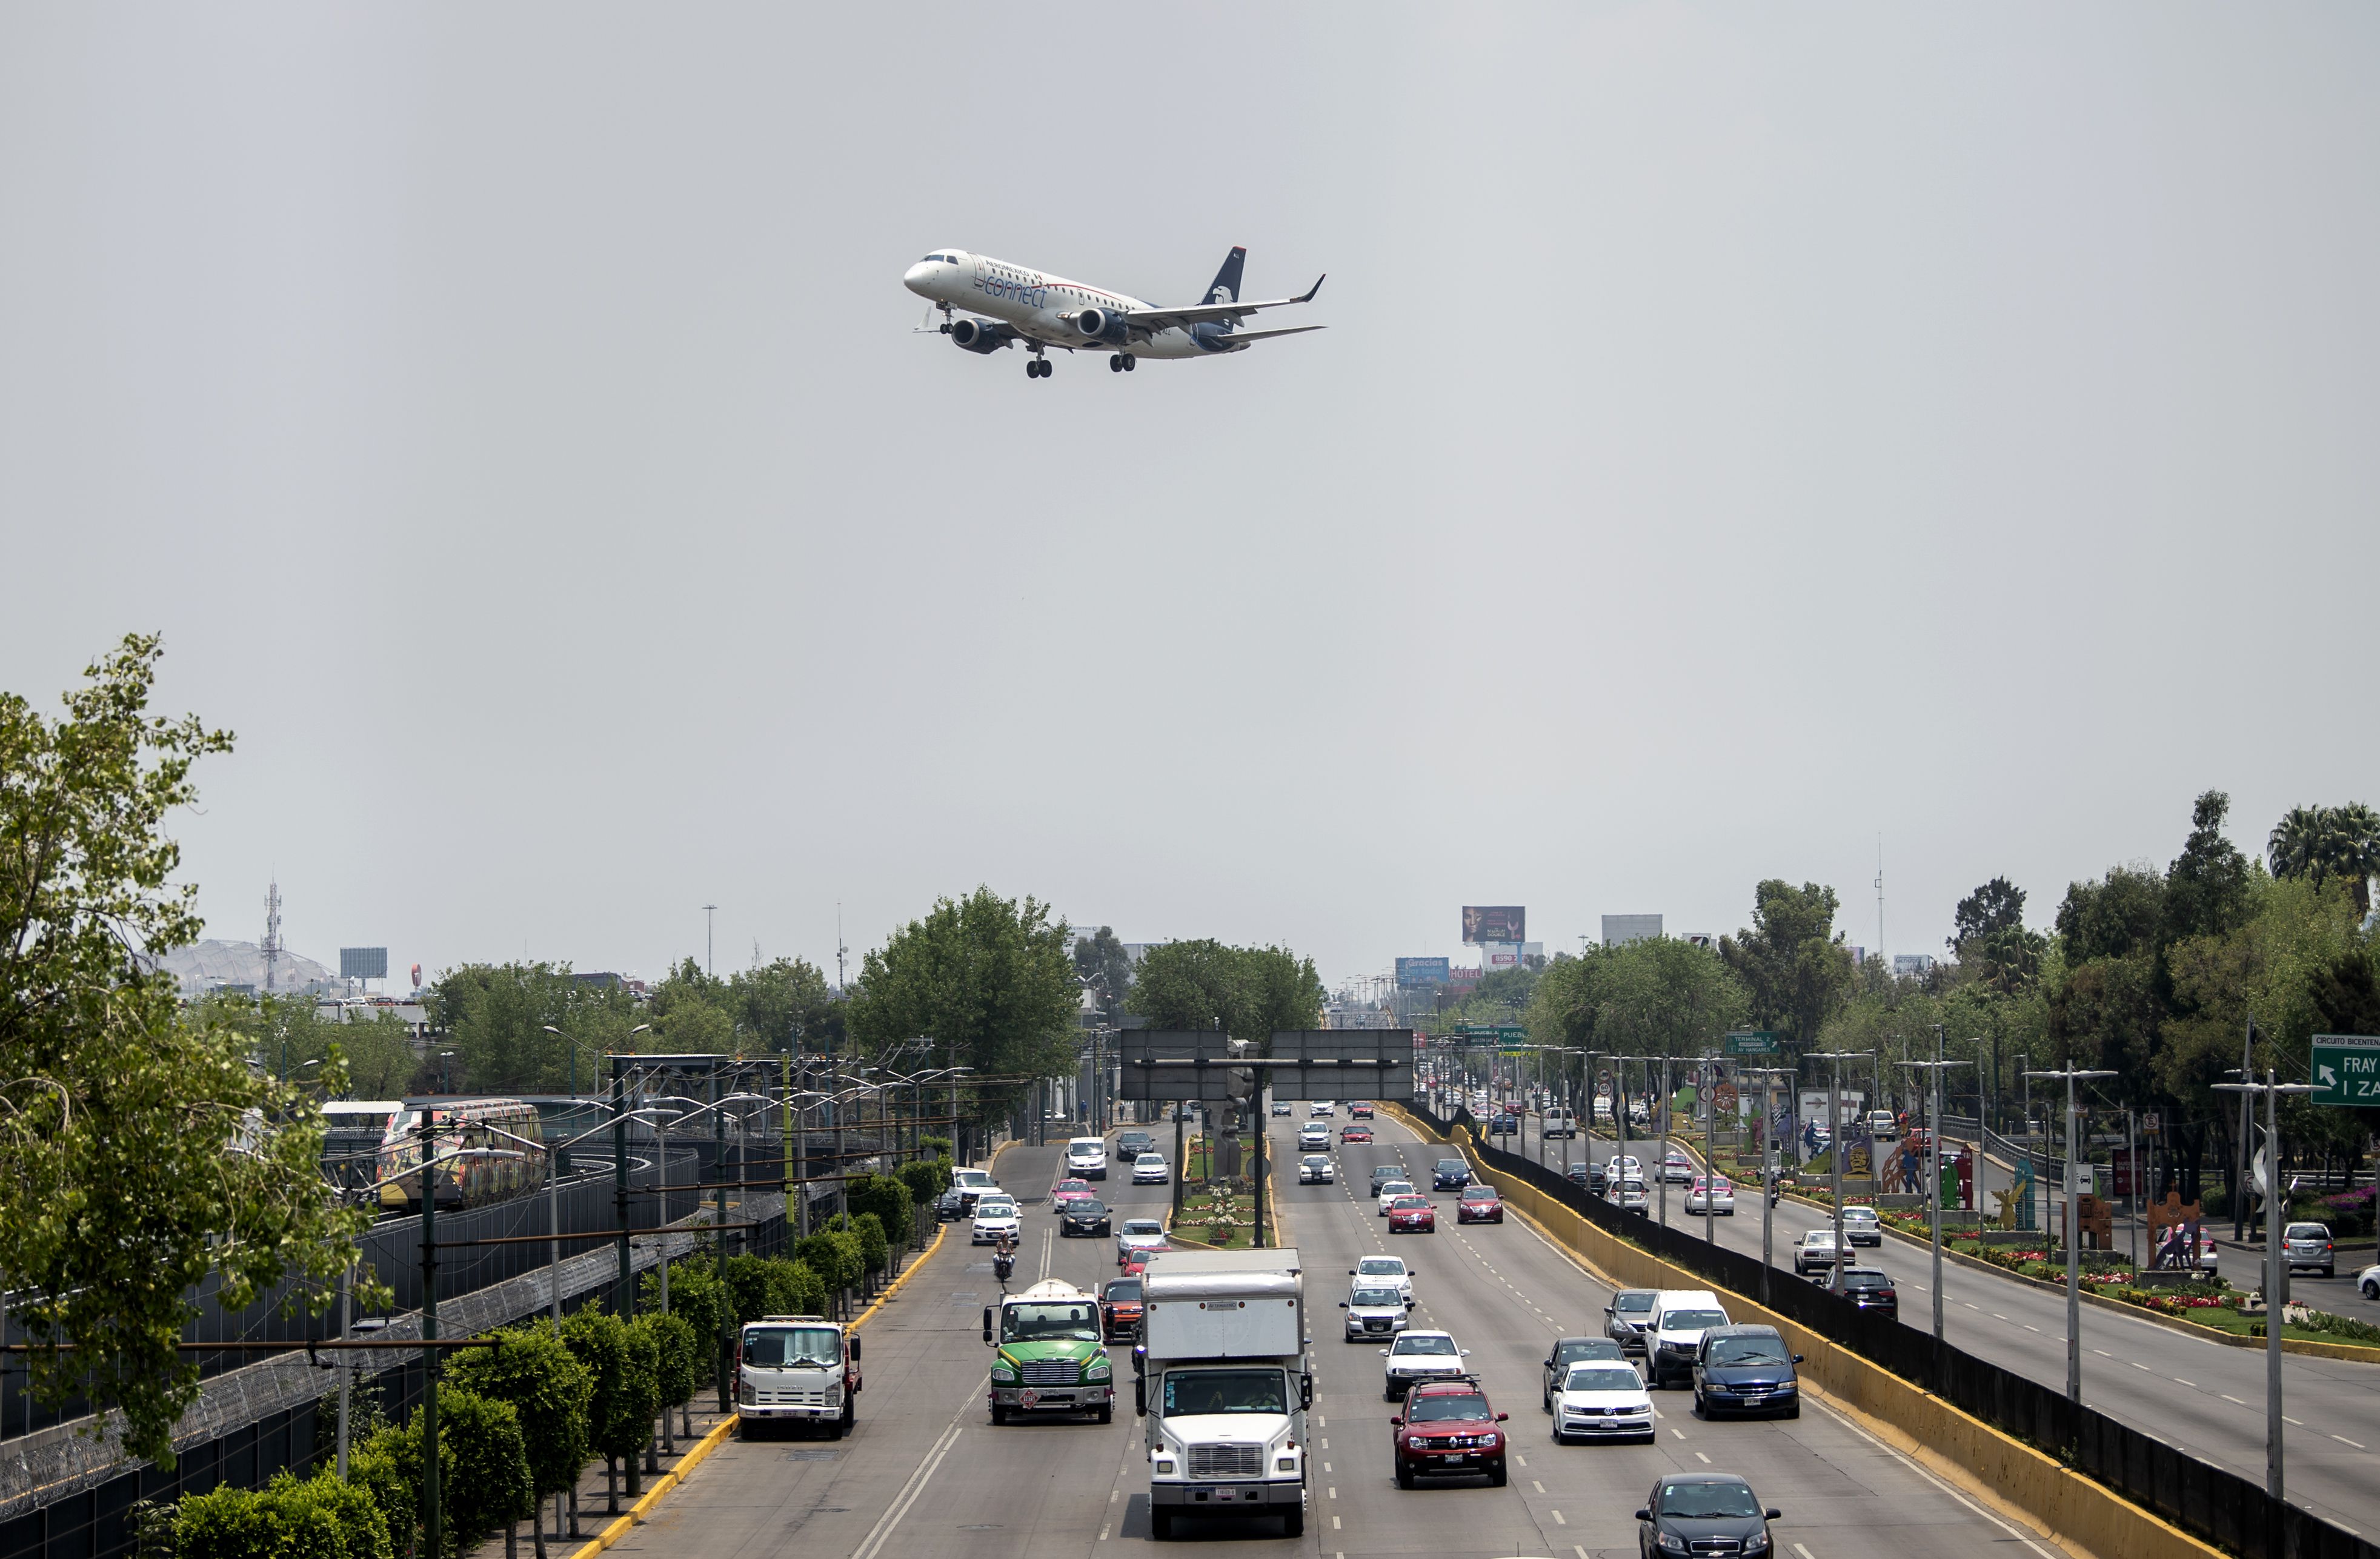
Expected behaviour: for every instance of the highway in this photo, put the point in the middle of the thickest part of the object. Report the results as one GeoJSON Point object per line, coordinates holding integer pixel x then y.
{"type": "Point", "coordinates": [926, 1475]}
{"type": "Point", "coordinates": [2200, 1395]}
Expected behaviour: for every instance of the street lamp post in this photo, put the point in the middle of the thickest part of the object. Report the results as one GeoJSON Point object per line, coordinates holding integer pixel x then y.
{"type": "Point", "coordinates": [1835, 1059]}
{"type": "Point", "coordinates": [1933, 1184]}
{"type": "Point", "coordinates": [1768, 1168]}
{"type": "Point", "coordinates": [2274, 1274]}
{"type": "Point", "coordinates": [2073, 1232]}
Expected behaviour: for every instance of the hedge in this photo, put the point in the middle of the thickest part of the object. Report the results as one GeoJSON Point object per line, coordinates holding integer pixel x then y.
{"type": "Point", "coordinates": [888, 1198]}
{"type": "Point", "coordinates": [318, 1518]}
{"type": "Point", "coordinates": [550, 1391]}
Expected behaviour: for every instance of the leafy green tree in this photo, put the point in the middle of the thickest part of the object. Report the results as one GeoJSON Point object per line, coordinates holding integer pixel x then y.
{"type": "Point", "coordinates": [1997, 905]}
{"type": "Point", "coordinates": [834, 1255]}
{"type": "Point", "coordinates": [1657, 996]}
{"type": "Point", "coordinates": [988, 980]}
{"type": "Point", "coordinates": [875, 1249]}
{"type": "Point", "coordinates": [2208, 888]}
{"type": "Point", "coordinates": [889, 1197]}
{"type": "Point", "coordinates": [678, 1359]}
{"type": "Point", "coordinates": [502, 1015]}
{"type": "Point", "coordinates": [139, 1153]}
{"type": "Point", "coordinates": [549, 1389]}
{"type": "Point", "coordinates": [921, 1183]}
{"type": "Point", "coordinates": [626, 1367]}
{"type": "Point", "coordinates": [776, 1002]}
{"type": "Point", "coordinates": [386, 1465]}
{"type": "Point", "coordinates": [1793, 964]}
{"type": "Point", "coordinates": [1248, 993]}
{"type": "Point", "coordinates": [484, 1479]}
{"type": "Point", "coordinates": [697, 1299]}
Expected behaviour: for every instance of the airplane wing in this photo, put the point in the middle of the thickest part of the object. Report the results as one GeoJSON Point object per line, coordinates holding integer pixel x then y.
{"type": "Point", "coordinates": [1166, 319]}
{"type": "Point", "coordinates": [1239, 337]}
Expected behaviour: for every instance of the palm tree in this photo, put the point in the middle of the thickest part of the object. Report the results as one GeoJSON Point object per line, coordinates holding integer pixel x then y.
{"type": "Point", "coordinates": [2321, 842]}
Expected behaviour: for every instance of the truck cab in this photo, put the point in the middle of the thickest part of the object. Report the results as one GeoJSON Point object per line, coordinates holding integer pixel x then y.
{"type": "Point", "coordinates": [1223, 1383]}
{"type": "Point", "coordinates": [1051, 1358]}
{"type": "Point", "coordinates": [796, 1369]}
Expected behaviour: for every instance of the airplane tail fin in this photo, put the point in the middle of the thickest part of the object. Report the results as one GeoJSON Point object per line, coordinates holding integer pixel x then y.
{"type": "Point", "coordinates": [1225, 287]}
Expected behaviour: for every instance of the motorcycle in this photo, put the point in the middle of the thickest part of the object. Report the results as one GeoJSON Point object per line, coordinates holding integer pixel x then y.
{"type": "Point", "coordinates": [1003, 1263]}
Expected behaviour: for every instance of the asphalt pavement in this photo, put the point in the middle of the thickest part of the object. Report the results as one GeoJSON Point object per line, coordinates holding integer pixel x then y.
{"type": "Point", "coordinates": [2200, 1395]}
{"type": "Point", "coordinates": [925, 1474]}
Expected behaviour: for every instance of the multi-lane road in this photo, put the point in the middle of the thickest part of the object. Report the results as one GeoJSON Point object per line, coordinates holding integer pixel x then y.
{"type": "Point", "coordinates": [925, 1474]}
{"type": "Point", "coordinates": [2207, 1398]}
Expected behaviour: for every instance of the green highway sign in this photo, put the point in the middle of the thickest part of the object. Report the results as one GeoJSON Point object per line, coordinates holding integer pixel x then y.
{"type": "Point", "coordinates": [1751, 1042]}
{"type": "Point", "coordinates": [2346, 1071]}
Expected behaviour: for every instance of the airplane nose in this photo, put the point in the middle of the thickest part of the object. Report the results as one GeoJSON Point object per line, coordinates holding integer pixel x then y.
{"type": "Point", "coordinates": [919, 275]}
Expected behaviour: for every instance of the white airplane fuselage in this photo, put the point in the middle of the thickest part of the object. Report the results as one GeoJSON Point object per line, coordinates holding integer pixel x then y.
{"type": "Point", "coordinates": [1044, 309]}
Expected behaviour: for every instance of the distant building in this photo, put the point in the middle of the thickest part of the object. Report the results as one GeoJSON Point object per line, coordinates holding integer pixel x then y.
{"type": "Point", "coordinates": [1706, 941]}
{"type": "Point", "coordinates": [1913, 965]}
{"type": "Point", "coordinates": [1620, 929]}
{"type": "Point", "coordinates": [215, 965]}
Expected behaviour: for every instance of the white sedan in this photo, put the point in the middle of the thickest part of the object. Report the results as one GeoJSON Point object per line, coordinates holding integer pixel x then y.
{"type": "Point", "coordinates": [1814, 1252]}
{"type": "Point", "coordinates": [1314, 1169]}
{"type": "Point", "coordinates": [1602, 1400]}
{"type": "Point", "coordinates": [1139, 1234]}
{"type": "Point", "coordinates": [995, 1219]}
{"type": "Point", "coordinates": [1709, 1194]}
{"type": "Point", "coordinates": [1390, 1191]}
{"type": "Point", "coordinates": [2368, 1281]}
{"type": "Point", "coordinates": [1149, 1170]}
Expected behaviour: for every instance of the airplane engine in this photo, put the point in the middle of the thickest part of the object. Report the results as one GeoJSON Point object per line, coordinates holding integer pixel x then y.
{"type": "Point", "coordinates": [1099, 324]}
{"type": "Point", "coordinates": [976, 336]}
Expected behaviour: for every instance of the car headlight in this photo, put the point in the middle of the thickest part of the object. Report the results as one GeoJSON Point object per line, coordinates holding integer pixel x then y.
{"type": "Point", "coordinates": [1004, 1373]}
{"type": "Point", "coordinates": [1098, 1370]}
{"type": "Point", "coordinates": [1756, 1543]}
{"type": "Point", "coordinates": [1163, 1464]}
{"type": "Point", "coordinates": [1672, 1543]}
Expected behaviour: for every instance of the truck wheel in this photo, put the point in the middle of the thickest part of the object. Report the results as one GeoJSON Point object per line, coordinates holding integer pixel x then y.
{"type": "Point", "coordinates": [1160, 1524]}
{"type": "Point", "coordinates": [834, 1430]}
{"type": "Point", "coordinates": [1106, 1413]}
{"type": "Point", "coordinates": [999, 1414]}
{"type": "Point", "coordinates": [1293, 1524]}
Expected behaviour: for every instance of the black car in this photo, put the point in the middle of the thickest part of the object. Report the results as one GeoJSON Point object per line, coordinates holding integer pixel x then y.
{"type": "Point", "coordinates": [1132, 1144]}
{"type": "Point", "coordinates": [1589, 1176]}
{"type": "Point", "coordinates": [1085, 1215]}
{"type": "Point", "coordinates": [949, 1206]}
{"type": "Point", "coordinates": [1384, 1173]}
{"type": "Point", "coordinates": [1706, 1513]}
{"type": "Point", "coordinates": [1450, 1175]}
{"type": "Point", "coordinates": [1567, 1351]}
{"type": "Point", "coordinates": [1747, 1369]}
{"type": "Point", "coordinates": [1864, 1286]}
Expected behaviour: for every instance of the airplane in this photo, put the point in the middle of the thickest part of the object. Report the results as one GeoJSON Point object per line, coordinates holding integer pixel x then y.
{"type": "Point", "coordinates": [1046, 311]}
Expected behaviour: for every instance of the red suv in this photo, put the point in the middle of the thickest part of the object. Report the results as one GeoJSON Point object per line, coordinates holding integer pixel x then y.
{"type": "Point", "coordinates": [1448, 1429]}
{"type": "Point", "coordinates": [1479, 1204]}
{"type": "Point", "coordinates": [1359, 1112]}
{"type": "Point", "coordinates": [1412, 1215]}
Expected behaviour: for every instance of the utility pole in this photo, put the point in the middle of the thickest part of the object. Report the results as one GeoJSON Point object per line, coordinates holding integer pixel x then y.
{"type": "Point", "coordinates": [432, 1525]}
{"type": "Point", "coordinates": [625, 1306]}
{"type": "Point", "coordinates": [2073, 1233]}
{"type": "Point", "coordinates": [709, 921]}
{"type": "Point", "coordinates": [2247, 1127]}
{"type": "Point", "coordinates": [1768, 1168]}
{"type": "Point", "coordinates": [2274, 1274]}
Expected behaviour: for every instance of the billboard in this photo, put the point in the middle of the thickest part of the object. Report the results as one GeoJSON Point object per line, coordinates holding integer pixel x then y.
{"type": "Point", "coordinates": [363, 963]}
{"type": "Point", "coordinates": [1495, 922]}
{"type": "Point", "coordinates": [1414, 973]}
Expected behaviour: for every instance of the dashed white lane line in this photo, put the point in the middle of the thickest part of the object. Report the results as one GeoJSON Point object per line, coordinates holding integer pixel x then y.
{"type": "Point", "coordinates": [1706, 1460]}
{"type": "Point", "coordinates": [1804, 1552]}
{"type": "Point", "coordinates": [1103, 1532]}
{"type": "Point", "coordinates": [2180, 1382]}
{"type": "Point", "coordinates": [2287, 1419]}
{"type": "Point", "coordinates": [1537, 1486]}
{"type": "Point", "coordinates": [1334, 1523]}
{"type": "Point", "coordinates": [2228, 1397]}
{"type": "Point", "coordinates": [2344, 1441]}
{"type": "Point", "coordinates": [1557, 1519]}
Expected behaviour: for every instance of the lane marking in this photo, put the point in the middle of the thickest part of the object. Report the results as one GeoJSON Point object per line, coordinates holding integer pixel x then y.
{"type": "Point", "coordinates": [1537, 1486]}
{"type": "Point", "coordinates": [2228, 1397]}
{"type": "Point", "coordinates": [1804, 1552]}
{"type": "Point", "coordinates": [2180, 1382]}
{"type": "Point", "coordinates": [874, 1542]}
{"type": "Point", "coordinates": [2344, 1441]}
{"type": "Point", "coordinates": [1334, 1524]}
{"type": "Point", "coordinates": [1103, 1532]}
{"type": "Point", "coordinates": [1706, 1460]}
{"type": "Point", "coordinates": [1557, 1519]}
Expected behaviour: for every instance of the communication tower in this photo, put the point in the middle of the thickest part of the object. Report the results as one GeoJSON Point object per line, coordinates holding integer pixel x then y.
{"type": "Point", "coordinates": [271, 931]}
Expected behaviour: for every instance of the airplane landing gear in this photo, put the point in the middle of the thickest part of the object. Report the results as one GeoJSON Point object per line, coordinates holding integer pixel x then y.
{"type": "Point", "coordinates": [1038, 369]}
{"type": "Point", "coordinates": [1130, 362]}
{"type": "Point", "coordinates": [1122, 362]}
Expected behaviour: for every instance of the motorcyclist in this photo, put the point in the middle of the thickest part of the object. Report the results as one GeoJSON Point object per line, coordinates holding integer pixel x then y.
{"type": "Point", "coordinates": [1003, 1257]}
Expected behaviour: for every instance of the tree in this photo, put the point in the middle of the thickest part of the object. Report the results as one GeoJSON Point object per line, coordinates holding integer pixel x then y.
{"type": "Point", "coordinates": [988, 980]}
{"type": "Point", "coordinates": [875, 1248]}
{"type": "Point", "coordinates": [888, 1198]}
{"type": "Point", "coordinates": [1101, 963]}
{"type": "Point", "coordinates": [1996, 907]}
{"type": "Point", "coordinates": [2206, 887]}
{"type": "Point", "coordinates": [139, 1153]}
{"type": "Point", "coordinates": [550, 1391]}
{"type": "Point", "coordinates": [773, 1005]}
{"type": "Point", "coordinates": [626, 1367]}
{"type": "Point", "coordinates": [317, 1517]}
{"type": "Point", "coordinates": [2322, 842]}
{"type": "Point", "coordinates": [502, 1015]}
{"type": "Point", "coordinates": [1248, 993]}
{"type": "Point", "coordinates": [1794, 968]}
{"type": "Point", "coordinates": [1655, 996]}
{"type": "Point", "coordinates": [483, 1471]}
{"type": "Point", "coordinates": [678, 1359]}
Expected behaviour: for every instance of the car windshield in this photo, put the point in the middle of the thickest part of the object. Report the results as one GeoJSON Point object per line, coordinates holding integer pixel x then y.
{"type": "Point", "coordinates": [1125, 1290]}
{"type": "Point", "coordinates": [1746, 1350]}
{"type": "Point", "coordinates": [1314, 1161]}
{"type": "Point", "coordinates": [1425, 1344]}
{"type": "Point", "coordinates": [1143, 1226]}
{"type": "Point", "coordinates": [1073, 1185]}
{"type": "Point", "coordinates": [781, 1347]}
{"type": "Point", "coordinates": [1406, 1204]}
{"type": "Point", "coordinates": [1859, 1214]}
{"type": "Point", "coordinates": [1149, 1160]}
{"type": "Point", "coordinates": [1705, 1501]}
{"type": "Point", "coordinates": [1038, 1323]}
{"type": "Point", "coordinates": [973, 1178]}
{"type": "Point", "coordinates": [1586, 1347]}
{"type": "Point", "coordinates": [1692, 1320]}
{"type": "Point", "coordinates": [1451, 1404]}
{"type": "Point", "coordinates": [991, 1207]}
{"type": "Point", "coordinates": [1602, 1377]}
{"type": "Point", "coordinates": [1867, 1280]}
{"type": "Point", "coordinates": [1451, 1166]}
{"type": "Point", "coordinates": [1381, 1266]}
{"type": "Point", "coordinates": [1819, 1237]}
{"type": "Point", "coordinates": [1395, 1188]}
{"type": "Point", "coordinates": [1478, 1193]}
{"type": "Point", "coordinates": [1376, 1297]}
{"type": "Point", "coordinates": [1640, 1301]}
{"type": "Point", "coordinates": [1225, 1391]}
{"type": "Point", "coordinates": [1087, 1207]}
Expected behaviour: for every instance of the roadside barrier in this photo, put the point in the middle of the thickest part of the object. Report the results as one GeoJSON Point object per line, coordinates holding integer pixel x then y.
{"type": "Point", "coordinates": [2090, 1480]}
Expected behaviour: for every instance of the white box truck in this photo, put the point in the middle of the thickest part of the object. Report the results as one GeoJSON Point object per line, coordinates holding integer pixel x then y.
{"type": "Point", "coordinates": [1222, 1380]}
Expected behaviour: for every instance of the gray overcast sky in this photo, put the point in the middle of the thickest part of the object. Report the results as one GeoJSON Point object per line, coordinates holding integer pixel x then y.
{"type": "Point", "coordinates": [1742, 431]}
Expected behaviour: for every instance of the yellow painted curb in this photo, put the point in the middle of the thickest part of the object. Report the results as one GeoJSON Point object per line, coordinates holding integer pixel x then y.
{"type": "Point", "coordinates": [638, 1512]}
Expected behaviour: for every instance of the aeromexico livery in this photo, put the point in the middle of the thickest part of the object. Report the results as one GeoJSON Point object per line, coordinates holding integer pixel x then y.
{"type": "Point", "coordinates": [1043, 312]}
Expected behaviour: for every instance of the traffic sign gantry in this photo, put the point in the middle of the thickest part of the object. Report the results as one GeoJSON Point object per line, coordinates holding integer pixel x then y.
{"type": "Point", "coordinates": [2346, 1071]}
{"type": "Point", "coordinates": [1751, 1042]}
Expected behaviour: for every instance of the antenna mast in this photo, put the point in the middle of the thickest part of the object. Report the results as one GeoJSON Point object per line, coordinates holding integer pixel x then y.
{"type": "Point", "coordinates": [839, 948]}
{"type": "Point", "coordinates": [1879, 905]}
{"type": "Point", "coordinates": [271, 931]}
